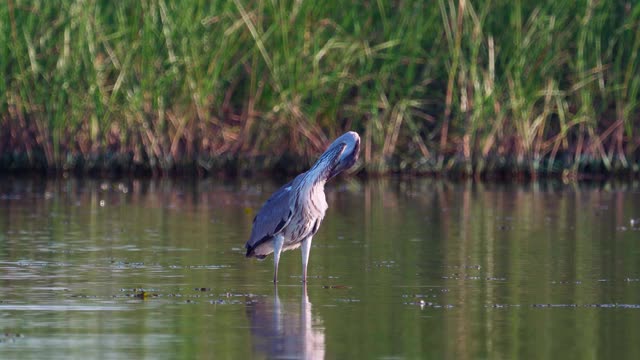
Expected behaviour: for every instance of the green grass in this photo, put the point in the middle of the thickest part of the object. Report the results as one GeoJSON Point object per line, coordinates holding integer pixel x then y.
{"type": "Point", "coordinates": [516, 87]}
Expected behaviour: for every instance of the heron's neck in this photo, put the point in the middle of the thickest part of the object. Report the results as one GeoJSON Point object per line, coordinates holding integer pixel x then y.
{"type": "Point", "coordinates": [319, 172]}
{"type": "Point", "coordinates": [310, 192]}
{"type": "Point", "coordinates": [311, 181]}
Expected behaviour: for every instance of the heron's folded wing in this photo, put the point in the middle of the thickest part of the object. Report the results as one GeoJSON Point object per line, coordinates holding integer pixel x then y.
{"type": "Point", "coordinates": [274, 215]}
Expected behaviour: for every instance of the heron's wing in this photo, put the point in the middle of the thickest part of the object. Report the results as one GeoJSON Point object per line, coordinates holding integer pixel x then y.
{"type": "Point", "coordinates": [274, 215]}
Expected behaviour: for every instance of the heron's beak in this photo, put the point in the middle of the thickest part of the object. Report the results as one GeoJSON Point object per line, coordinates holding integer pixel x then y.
{"type": "Point", "coordinates": [347, 159]}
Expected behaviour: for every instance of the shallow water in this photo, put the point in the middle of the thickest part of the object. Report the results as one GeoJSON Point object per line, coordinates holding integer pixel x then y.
{"type": "Point", "coordinates": [399, 269]}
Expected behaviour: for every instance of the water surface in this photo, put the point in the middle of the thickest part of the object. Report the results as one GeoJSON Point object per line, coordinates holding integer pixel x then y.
{"type": "Point", "coordinates": [401, 269]}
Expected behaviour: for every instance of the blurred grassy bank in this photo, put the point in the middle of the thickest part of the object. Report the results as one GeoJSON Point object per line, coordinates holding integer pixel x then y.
{"type": "Point", "coordinates": [469, 87]}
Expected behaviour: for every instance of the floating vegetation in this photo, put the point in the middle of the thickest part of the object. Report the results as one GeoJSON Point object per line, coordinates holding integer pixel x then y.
{"type": "Point", "coordinates": [8, 337]}
{"type": "Point", "coordinates": [184, 296]}
{"type": "Point", "coordinates": [604, 305]}
{"type": "Point", "coordinates": [457, 276]}
{"type": "Point", "coordinates": [144, 295]}
{"type": "Point", "coordinates": [567, 306]}
{"type": "Point", "coordinates": [348, 300]}
{"type": "Point", "coordinates": [196, 86]}
{"type": "Point", "coordinates": [554, 305]}
{"type": "Point", "coordinates": [140, 293]}
{"type": "Point", "coordinates": [231, 302]}
{"type": "Point", "coordinates": [383, 264]}
{"type": "Point", "coordinates": [422, 304]}
{"type": "Point", "coordinates": [565, 282]}
{"type": "Point", "coordinates": [336, 287]}
{"type": "Point", "coordinates": [206, 267]}
{"type": "Point", "coordinates": [420, 296]}
{"type": "Point", "coordinates": [128, 265]}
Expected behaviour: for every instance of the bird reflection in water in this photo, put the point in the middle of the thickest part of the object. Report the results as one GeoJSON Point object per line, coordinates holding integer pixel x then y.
{"type": "Point", "coordinates": [286, 329]}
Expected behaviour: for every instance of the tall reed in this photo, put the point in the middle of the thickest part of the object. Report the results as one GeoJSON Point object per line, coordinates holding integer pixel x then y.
{"type": "Point", "coordinates": [450, 85]}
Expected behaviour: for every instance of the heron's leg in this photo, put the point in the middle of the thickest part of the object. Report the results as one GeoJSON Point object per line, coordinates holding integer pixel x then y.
{"type": "Point", "coordinates": [277, 249]}
{"type": "Point", "coordinates": [306, 248]}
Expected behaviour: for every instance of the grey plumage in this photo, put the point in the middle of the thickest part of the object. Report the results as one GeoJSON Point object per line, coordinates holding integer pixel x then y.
{"type": "Point", "coordinates": [293, 214]}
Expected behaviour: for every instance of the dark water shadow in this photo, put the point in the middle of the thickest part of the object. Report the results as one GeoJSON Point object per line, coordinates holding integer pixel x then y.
{"type": "Point", "coordinates": [286, 329]}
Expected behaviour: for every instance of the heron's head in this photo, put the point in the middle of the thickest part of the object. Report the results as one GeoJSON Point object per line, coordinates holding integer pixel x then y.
{"type": "Point", "coordinates": [347, 148]}
{"type": "Point", "coordinates": [339, 156]}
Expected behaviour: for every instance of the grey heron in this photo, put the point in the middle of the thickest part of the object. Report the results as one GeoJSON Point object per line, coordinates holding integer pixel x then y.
{"type": "Point", "coordinates": [292, 215]}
